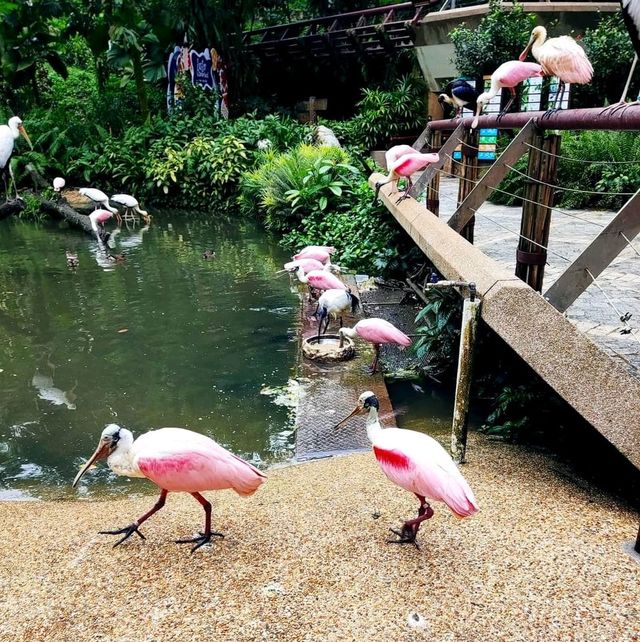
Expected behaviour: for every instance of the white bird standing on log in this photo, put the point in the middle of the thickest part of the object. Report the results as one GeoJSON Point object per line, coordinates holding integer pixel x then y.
{"type": "Point", "coordinates": [58, 183]}
{"type": "Point", "coordinates": [418, 463]}
{"type": "Point", "coordinates": [99, 198]}
{"type": "Point", "coordinates": [562, 57]}
{"type": "Point", "coordinates": [131, 205]}
{"type": "Point", "coordinates": [8, 134]}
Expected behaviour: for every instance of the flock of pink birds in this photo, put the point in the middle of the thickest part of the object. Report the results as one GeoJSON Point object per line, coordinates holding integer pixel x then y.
{"type": "Point", "coordinates": [179, 460]}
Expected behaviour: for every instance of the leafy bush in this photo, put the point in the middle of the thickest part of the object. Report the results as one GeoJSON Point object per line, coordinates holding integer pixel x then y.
{"type": "Point", "coordinates": [501, 36]}
{"type": "Point", "coordinates": [606, 148]}
{"type": "Point", "coordinates": [384, 114]}
{"type": "Point", "coordinates": [610, 51]}
{"type": "Point", "coordinates": [440, 329]}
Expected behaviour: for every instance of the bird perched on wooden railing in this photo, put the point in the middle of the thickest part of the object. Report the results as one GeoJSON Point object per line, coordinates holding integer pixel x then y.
{"type": "Point", "coordinates": [402, 162]}
{"type": "Point", "coordinates": [8, 134]}
{"type": "Point", "coordinates": [509, 74]}
{"type": "Point", "coordinates": [459, 93]}
{"type": "Point", "coordinates": [562, 57]}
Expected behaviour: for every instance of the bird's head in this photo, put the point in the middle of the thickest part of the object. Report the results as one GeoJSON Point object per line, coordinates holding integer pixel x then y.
{"type": "Point", "coordinates": [111, 438]}
{"type": "Point", "coordinates": [366, 401]}
{"type": "Point", "coordinates": [15, 124]}
{"type": "Point", "coordinates": [538, 34]}
{"type": "Point", "coordinates": [443, 98]}
{"type": "Point", "coordinates": [481, 101]}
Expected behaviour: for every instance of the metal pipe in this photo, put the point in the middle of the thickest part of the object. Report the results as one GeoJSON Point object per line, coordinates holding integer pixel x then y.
{"type": "Point", "coordinates": [619, 117]}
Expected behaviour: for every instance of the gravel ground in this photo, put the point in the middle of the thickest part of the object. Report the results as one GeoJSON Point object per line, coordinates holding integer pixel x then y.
{"type": "Point", "coordinates": [306, 559]}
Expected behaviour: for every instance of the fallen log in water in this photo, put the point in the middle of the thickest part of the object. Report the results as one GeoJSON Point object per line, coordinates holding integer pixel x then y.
{"type": "Point", "coordinates": [61, 209]}
{"type": "Point", "coordinates": [11, 207]}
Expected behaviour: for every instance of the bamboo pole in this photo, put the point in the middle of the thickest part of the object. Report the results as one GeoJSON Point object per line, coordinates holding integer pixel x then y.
{"type": "Point", "coordinates": [468, 331]}
{"type": "Point", "coordinates": [536, 210]}
{"type": "Point", "coordinates": [469, 172]}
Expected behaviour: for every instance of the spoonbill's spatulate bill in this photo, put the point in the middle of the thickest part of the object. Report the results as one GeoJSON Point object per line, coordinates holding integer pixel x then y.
{"type": "Point", "coordinates": [418, 463]}
{"type": "Point", "coordinates": [177, 460]}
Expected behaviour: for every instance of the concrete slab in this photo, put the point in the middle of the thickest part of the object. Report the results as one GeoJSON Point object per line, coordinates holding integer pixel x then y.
{"type": "Point", "coordinates": [596, 385]}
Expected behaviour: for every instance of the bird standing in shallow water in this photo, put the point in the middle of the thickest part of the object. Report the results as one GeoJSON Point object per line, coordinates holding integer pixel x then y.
{"type": "Point", "coordinates": [562, 57]}
{"type": "Point", "coordinates": [177, 460]}
{"type": "Point", "coordinates": [418, 463]}
{"type": "Point", "coordinates": [376, 331]}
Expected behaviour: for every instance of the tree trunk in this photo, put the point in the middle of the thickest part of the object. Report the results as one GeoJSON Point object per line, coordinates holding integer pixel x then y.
{"type": "Point", "coordinates": [11, 207]}
{"type": "Point", "coordinates": [138, 75]}
{"type": "Point", "coordinates": [61, 209]}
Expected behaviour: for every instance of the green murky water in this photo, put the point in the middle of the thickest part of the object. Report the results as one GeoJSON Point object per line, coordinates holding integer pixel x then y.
{"type": "Point", "coordinates": [163, 339]}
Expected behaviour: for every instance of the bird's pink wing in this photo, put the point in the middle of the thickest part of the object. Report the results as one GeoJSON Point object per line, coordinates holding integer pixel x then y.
{"type": "Point", "coordinates": [512, 73]}
{"type": "Point", "coordinates": [411, 163]}
{"type": "Point", "coordinates": [325, 281]}
{"type": "Point", "coordinates": [395, 152]}
{"type": "Point", "coordinates": [191, 462]}
{"type": "Point", "coordinates": [381, 331]}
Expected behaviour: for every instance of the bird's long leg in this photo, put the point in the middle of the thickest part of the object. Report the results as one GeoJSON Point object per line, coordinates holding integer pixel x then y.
{"type": "Point", "coordinates": [128, 531]}
{"type": "Point", "coordinates": [374, 365]}
{"type": "Point", "coordinates": [406, 194]}
{"type": "Point", "coordinates": [13, 180]}
{"type": "Point", "coordinates": [506, 107]}
{"type": "Point", "coordinates": [319, 328]}
{"type": "Point", "coordinates": [205, 537]}
{"type": "Point", "coordinates": [407, 535]}
{"type": "Point", "coordinates": [326, 325]}
{"type": "Point", "coordinates": [6, 189]}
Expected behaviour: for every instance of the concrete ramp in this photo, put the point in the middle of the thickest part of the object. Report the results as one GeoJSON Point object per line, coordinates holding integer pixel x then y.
{"type": "Point", "coordinates": [598, 387]}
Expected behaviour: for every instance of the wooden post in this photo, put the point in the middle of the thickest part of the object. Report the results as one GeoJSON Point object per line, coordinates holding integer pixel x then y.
{"type": "Point", "coordinates": [536, 210]}
{"type": "Point", "coordinates": [468, 330]}
{"type": "Point", "coordinates": [469, 172]}
{"type": "Point", "coordinates": [433, 189]}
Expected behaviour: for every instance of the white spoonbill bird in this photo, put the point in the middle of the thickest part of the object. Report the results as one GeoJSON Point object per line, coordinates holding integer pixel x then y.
{"type": "Point", "coordinates": [418, 463]}
{"type": "Point", "coordinates": [8, 134]}
{"type": "Point", "coordinates": [404, 167]}
{"type": "Point", "coordinates": [333, 304]}
{"type": "Point", "coordinates": [131, 206]}
{"type": "Point", "coordinates": [375, 331]}
{"type": "Point", "coordinates": [99, 198]}
{"type": "Point", "coordinates": [58, 183]}
{"type": "Point", "coordinates": [509, 74]}
{"type": "Point", "coordinates": [562, 57]}
{"type": "Point", "coordinates": [320, 279]}
{"type": "Point", "coordinates": [176, 460]}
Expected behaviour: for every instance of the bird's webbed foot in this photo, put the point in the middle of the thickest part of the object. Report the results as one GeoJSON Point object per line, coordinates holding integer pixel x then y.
{"type": "Point", "coordinates": [199, 540]}
{"type": "Point", "coordinates": [127, 531]}
{"type": "Point", "coordinates": [407, 535]}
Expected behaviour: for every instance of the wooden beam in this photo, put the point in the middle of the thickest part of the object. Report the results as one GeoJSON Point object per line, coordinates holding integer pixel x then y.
{"type": "Point", "coordinates": [596, 256]}
{"type": "Point", "coordinates": [422, 140]}
{"type": "Point", "coordinates": [444, 151]}
{"type": "Point", "coordinates": [517, 147]}
{"type": "Point", "coordinates": [469, 172]}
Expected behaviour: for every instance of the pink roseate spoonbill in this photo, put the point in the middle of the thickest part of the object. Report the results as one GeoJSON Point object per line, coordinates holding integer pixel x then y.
{"type": "Point", "coordinates": [176, 460]}
{"type": "Point", "coordinates": [131, 206]}
{"type": "Point", "coordinates": [320, 279]}
{"type": "Point", "coordinates": [305, 251]}
{"type": "Point", "coordinates": [509, 74]}
{"type": "Point", "coordinates": [58, 183]}
{"type": "Point", "coordinates": [314, 253]}
{"type": "Point", "coordinates": [99, 217]}
{"type": "Point", "coordinates": [306, 264]}
{"type": "Point", "coordinates": [99, 198]}
{"type": "Point", "coordinates": [8, 134]}
{"type": "Point", "coordinates": [332, 304]}
{"type": "Point", "coordinates": [395, 152]}
{"type": "Point", "coordinates": [460, 94]}
{"type": "Point", "coordinates": [562, 57]}
{"type": "Point", "coordinates": [418, 463]}
{"type": "Point", "coordinates": [404, 167]}
{"type": "Point", "coordinates": [376, 331]}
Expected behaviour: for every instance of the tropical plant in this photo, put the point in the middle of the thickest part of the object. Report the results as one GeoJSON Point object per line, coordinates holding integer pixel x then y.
{"type": "Point", "coordinates": [515, 411]}
{"type": "Point", "coordinates": [501, 35]}
{"type": "Point", "coordinates": [439, 327]}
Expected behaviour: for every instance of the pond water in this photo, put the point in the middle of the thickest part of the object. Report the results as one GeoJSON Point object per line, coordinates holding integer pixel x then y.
{"type": "Point", "coordinates": [165, 338]}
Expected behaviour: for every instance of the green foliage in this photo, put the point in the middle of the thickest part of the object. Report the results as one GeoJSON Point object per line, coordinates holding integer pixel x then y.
{"type": "Point", "coordinates": [606, 148]}
{"type": "Point", "coordinates": [382, 115]}
{"type": "Point", "coordinates": [440, 329]}
{"type": "Point", "coordinates": [501, 36]}
{"type": "Point", "coordinates": [610, 51]}
{"type": "Point", "coordinates": [516, 408]}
